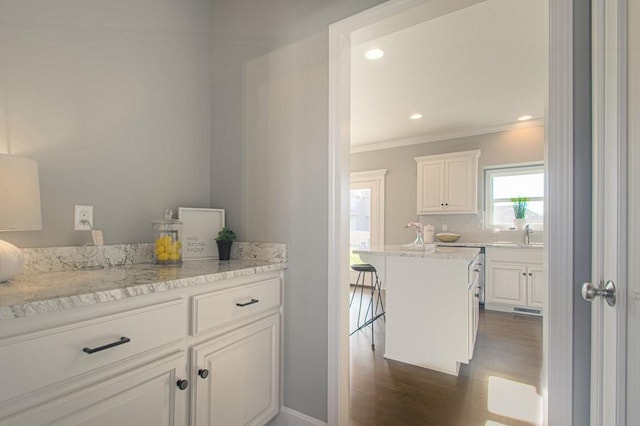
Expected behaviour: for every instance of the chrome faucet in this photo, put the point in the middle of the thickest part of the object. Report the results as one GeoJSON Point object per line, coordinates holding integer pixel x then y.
{"type": "Point", "coordinates": [527, 233]}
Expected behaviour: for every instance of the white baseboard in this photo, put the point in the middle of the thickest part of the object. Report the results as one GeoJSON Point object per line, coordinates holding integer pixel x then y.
{"type": "Point", "coordinates": [289, 417]}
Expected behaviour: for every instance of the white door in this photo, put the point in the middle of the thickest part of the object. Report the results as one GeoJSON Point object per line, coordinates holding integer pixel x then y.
{"type": "Point", "coordinates": [614, 382]}
{"type": "Point", "coordinates": [366, 227]}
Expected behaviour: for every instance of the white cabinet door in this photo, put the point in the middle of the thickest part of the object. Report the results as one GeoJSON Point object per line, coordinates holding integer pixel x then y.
{"type": "Point", "coordinates": [146, 396]}
{"type": "Point", "coordinates": [537, 284]}
{"type": "Point", "coordinates": [448, 183]}
{"type": "Point", "coordinates": [242, 387]}
{"type": "Point", "coordinates": [461, 184]}
{"type": "Point", "coordinates": [507, 283]}
{"type": "Point", "coordinates": [431, 186]}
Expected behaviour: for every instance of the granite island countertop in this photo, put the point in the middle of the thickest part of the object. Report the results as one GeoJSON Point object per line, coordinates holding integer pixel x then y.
{"type": "Point", "coordinates": [506, 244]}
{"type": "Point", "coordinates": [42, 292]}
{"type": "Point", "coordinates": [443, 253]}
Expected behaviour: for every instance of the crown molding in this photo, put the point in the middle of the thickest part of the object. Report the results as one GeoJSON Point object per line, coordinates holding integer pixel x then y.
{"type": "Point", "coordinates": [454, 134]}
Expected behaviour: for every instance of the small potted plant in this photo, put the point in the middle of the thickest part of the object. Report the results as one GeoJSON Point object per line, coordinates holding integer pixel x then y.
{"type": "Point", "coordinates": [520, 212]}
{"type": "Point", "coordinates": [225, 238]}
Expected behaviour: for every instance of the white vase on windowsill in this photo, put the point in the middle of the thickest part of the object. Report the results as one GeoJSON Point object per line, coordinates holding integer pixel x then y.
{"type": "Point", "coordinates": [520, 223]}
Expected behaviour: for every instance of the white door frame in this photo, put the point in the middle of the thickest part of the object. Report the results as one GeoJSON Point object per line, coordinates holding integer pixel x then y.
{"type": "Point", "coordinates": [558, 354]}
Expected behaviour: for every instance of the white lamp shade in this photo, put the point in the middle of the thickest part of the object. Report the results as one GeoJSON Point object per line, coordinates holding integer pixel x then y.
{"type": "Point", "coordinates": [19, 194]}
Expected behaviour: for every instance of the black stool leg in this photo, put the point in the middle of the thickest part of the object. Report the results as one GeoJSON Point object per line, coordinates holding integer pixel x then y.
{"type": "Point", "coordinates": [354, 290]}
{"type": "Point", "coordinates": [373, 313]}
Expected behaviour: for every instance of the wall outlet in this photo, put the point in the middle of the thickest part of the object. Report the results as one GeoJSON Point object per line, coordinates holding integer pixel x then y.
{"type": "Point", "coordinates": [82, 218]}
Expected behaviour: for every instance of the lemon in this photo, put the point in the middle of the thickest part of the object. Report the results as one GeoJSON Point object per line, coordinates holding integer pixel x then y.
{"type": "Point", "coordinates": [163, 257]}
{"type": "Point", "coordinates": [174, 256]}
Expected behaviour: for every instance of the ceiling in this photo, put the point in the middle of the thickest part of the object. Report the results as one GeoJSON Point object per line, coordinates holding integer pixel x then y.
{"type": "Point", "coordinates": [470, 71]}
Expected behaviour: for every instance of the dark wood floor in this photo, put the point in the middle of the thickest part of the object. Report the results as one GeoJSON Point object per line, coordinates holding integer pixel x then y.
{"type": "Point", "coordinates": [500, 386]}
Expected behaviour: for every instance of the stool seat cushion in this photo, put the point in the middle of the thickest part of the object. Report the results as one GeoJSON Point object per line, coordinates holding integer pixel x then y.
{"type": "Point", "coordinates": [363, 267]}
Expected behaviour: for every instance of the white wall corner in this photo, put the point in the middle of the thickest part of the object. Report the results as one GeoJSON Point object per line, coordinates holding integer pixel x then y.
{"type": "Point", "coordinates": [289, 417]}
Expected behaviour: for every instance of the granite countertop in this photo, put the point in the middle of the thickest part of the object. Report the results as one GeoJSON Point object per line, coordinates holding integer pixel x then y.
{"type": "Point", "coordinates": [35, 293]}
{"type": "Point", "coordinates": [507, 244]}
{"type": "Point", "coordinates": [446, 253]}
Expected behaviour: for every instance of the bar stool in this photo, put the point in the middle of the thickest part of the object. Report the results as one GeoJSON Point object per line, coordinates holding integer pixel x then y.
{"type": "Point", "coordinates": [363, 269]}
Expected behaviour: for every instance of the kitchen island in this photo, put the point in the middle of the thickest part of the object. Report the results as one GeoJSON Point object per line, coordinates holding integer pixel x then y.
{"type": "Point", "coordinates": [431, 304]}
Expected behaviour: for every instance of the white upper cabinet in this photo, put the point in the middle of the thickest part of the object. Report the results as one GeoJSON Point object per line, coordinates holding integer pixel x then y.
{"type": "Point", "coordinates": [448, 183]}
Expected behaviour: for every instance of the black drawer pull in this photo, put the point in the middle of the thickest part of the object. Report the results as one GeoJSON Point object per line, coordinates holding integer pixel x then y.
{"type": "Point", "coordinates": [248, 303]}
{"type": "Point", "coordinates": [122, 341]}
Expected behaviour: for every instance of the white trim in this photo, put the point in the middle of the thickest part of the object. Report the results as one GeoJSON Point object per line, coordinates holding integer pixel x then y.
{"type": "Point", "coordinates": [367, 175]}
{"type": "Point", "coordinates": [507, 170]}
{"type": "Point", "coordinates": [290, 417]}
{"type": "Point", "coordinates": [558, 255]}
{"type": "Point", "coordinates": [444, 136]}
{"type": "Point", "coordinates": [338, 217]}
{"type": "Point", "coordinates": [558, 339]}
{"type": "Point", "coordinates": [376, 176]}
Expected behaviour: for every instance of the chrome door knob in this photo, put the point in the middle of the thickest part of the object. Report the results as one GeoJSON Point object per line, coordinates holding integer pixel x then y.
{"type": "Point", "coordinates": [590, 292]}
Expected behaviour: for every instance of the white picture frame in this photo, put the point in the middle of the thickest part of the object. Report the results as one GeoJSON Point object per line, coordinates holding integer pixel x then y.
{"type": "Point", "coordinates": [199, 230]}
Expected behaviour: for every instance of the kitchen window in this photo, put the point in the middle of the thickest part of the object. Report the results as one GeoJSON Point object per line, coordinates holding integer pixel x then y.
{"type": "Point", "coordinates": [506, 183]}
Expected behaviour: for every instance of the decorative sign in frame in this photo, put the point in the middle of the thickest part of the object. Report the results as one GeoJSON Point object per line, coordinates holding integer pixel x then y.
{"type": "Point", "coordinates": [199, 230]}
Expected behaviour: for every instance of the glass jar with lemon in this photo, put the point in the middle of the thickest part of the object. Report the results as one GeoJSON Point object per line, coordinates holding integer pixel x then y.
{"type": "Point", "coordinates": [168, 241]}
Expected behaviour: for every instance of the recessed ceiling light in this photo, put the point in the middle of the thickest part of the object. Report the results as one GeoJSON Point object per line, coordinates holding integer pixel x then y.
{"type": "Point", "coordinates": [374, 54]}
{"type": "Point", "coordinates": [416, 116]}
{"type": "Point", "coordinates": [524, 118]}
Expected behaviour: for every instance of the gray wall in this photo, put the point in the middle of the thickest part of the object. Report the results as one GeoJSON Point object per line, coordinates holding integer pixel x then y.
{"type": "Point", "coordinates": [507, 147]}
{"type": "Point", "coordinates": [136, 106]}
{"type": "Point", "coordinates": [114, 101]}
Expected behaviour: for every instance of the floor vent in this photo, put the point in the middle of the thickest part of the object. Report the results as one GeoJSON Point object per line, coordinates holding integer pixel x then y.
{"type": "Point", "coordinates": [527, 310]}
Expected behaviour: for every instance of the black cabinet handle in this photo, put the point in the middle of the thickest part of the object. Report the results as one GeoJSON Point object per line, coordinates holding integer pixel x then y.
{"type": "Point", "coordinates": [248, 303]}
{"type": "Point", "coordinates": [203, 373]}
{"type": "Point", "coordinates": [182, 384]}
{"type": "Point", "coordinates": [122, 341]}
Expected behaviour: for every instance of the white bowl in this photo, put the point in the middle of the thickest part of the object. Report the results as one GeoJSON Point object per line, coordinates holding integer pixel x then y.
{"type": "Point", "coordinates": [447, 237]}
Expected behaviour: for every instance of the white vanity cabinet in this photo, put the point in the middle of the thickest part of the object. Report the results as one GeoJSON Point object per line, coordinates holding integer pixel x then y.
{"type": "Point", "coordinates": [199, 355]}
{"type": "Point", "coordinates": [236, 374]}
{"type": "Point", "coordinates": [448, 183]}
{"type": "Point", "coordinates": [515, 280]}
{"type": "Point", "coordinates": [108, 368]}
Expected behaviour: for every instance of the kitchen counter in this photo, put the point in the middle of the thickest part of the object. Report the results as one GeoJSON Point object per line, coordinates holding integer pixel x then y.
{"type": "Point", "coordinates": [36, 293]}
{"type": "Point", "coordinates": [431, 308]}
{"type": "Point", "coordinates": [451, 253]}
{"type": "Point", "coordinates": [508, 244]}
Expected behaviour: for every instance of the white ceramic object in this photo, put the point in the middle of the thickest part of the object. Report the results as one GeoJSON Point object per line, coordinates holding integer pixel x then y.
{"type": "Point", "coordinates": [11, 261]}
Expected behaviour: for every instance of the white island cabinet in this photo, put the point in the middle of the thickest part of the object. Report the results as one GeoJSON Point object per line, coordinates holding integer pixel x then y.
{"type": "Point", "coordinates": [202, 348]}
{"type": "Point", "coordinates": [431, 305]}
{"type": "Point", "coordinates": [515, 280]}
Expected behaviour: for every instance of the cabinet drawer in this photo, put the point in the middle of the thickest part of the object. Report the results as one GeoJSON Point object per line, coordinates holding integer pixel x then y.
{"type": "Point", "coordinates": [47, 357]}
{"type": "Point", "coordinates": [218, 308]}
